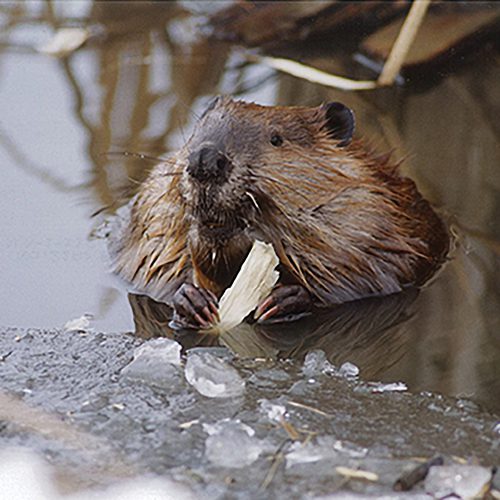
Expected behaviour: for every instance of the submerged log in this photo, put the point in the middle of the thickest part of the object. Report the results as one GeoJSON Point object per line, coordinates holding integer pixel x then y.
{"type": "Point", "coordinates": [257, 24]}
{"type": "Point", "coordinates": [364, 31]}
{"type": "Point", "coordinates": [446, 34]}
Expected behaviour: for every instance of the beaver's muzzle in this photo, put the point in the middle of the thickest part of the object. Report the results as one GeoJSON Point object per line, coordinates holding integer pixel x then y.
{"type": "Point", "coordinates": [209, 165]}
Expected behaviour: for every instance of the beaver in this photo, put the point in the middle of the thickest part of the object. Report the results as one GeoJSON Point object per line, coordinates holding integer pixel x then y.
{"type": "Point", "coordinates": [343, 221]}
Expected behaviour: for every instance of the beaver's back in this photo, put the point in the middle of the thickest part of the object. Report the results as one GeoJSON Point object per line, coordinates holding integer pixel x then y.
{"type": "Point", "coordinates": [350, 225]}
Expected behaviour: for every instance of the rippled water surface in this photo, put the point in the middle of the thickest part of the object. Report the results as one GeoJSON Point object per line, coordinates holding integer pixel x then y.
{"type": "Point", "coordinates": [137, 86]}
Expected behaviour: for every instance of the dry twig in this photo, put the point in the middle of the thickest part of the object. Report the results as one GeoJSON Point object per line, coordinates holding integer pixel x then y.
{"type": "Point", "coordinates": [403, 42]}
{"type": "Point", "coordinates": [312, 74]}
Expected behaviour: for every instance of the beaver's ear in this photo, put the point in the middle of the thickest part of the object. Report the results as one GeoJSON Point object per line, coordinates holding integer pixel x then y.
{"type": "Point", "coordinates": [211, 105]}
{"type": "Point", "coordinates": [339, 122]}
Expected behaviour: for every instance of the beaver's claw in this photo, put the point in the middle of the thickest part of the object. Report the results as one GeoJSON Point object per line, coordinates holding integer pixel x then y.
{"type": "Point", "coordinates": [285, 303]}
{"type": "Point", "coordinates": [194, 308]}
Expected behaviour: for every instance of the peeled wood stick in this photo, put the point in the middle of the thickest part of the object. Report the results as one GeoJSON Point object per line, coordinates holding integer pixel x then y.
{"type": "Point", "coordinates": [253, 283]}
{"type": "Point", "coordinates": [403, 42]}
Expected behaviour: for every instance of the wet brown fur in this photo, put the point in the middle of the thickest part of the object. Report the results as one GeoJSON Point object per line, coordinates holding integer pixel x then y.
{"type": "Point", "coordinates": [344, 223]}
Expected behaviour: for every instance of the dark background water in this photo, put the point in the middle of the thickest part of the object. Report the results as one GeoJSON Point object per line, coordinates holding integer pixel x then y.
{"type": "Point", "coordinates": [138, 85]}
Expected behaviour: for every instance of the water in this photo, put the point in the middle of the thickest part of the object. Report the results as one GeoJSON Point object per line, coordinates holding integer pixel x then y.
{"type": "Point", "coordinates": [138, 87]}
{"type": "Point", "coordinates": [138, 90]}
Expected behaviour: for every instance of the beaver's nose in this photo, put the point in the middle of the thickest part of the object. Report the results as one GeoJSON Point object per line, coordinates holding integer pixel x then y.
{"type": "Point", "coordinates": [209, 165]}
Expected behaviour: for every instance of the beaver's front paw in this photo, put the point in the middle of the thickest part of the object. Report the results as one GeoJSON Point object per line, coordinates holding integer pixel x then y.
{"type": "Point", "coordinates": [285, 303]}
{"type": "Point", "coordinates": [194, 308]}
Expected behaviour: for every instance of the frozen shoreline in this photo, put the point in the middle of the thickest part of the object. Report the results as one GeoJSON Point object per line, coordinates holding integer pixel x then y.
{"type": "Point", "coordinates": [309, 418]}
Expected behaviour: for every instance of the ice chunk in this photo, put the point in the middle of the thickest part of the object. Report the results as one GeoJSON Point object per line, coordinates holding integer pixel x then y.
{"type": "Point", "coordinates": [218, 427]}
{"type": "Point", "coordinates": [155, 363]}
{"type": "Point", "coordinates": [350, 449]}
{"type": "Point", "coordinates": [213, 377]}
{"type": "Point", "coordinates": [309, 452]}
{"type": "Point", "coordinates": [273, 412]}
{"type": "Point", "coordinates": [315, 363]}
{"type": "Point", "coordinates": [391, 387]}
{"type": "Point", "coordinates": [80, 324]}
{"type": "Point", "coordinates": [303, 453]}
{"type": "Point", "coordinates": [348, 370]}
{"type": "Point", "coordinates": [165, 350]}
{"type": "Point", "coordinates": [232, 444]}
{"type": "Point", "coordinates": [464, 481]}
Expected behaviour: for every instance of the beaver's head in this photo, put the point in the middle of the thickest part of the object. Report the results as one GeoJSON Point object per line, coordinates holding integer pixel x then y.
{"type": "Point", "coordinates": [223, 159]}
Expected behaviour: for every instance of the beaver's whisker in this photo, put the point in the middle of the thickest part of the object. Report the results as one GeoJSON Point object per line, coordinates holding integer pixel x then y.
{"type": "Point", "coordinates": [140, 156]}
{"type": "Point", "coordinates": [254, 201]}
{"type": "Point", "coordinates": [189, 108]}
{"type": "Point", "coordinates": [134, 181]}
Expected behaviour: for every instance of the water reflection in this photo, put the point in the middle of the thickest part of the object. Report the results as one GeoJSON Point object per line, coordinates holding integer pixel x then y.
{"type": "Point", "coordinates": [370, 333]}
{"type": "Point", "coordinates": [138, 85]}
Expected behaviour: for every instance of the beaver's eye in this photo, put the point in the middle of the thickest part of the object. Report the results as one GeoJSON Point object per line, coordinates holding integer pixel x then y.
{"type": "Point", "coordinates": [276, 140]}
